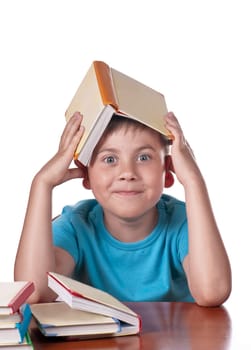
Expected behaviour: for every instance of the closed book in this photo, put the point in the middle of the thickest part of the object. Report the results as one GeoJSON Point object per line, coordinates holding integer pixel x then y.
{"type": "Point", "coordinates": [59, 319]}
{"type": "Point", "coordinates": [26, 344]}
{"type": "Point", "coordinates": [81, 296]}
{"type": "Point", "coordinates": [11, 332]}
{"type": "Point", "coordinates": [13, 295]}
{"type": "Point", "coordinates": [105, 92]}
{"type": "Point", "coordinates": [12, 318]}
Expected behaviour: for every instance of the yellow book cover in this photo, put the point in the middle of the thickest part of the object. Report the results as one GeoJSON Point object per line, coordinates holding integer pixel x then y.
{"type": "Point", "coordinates": [105, 92]}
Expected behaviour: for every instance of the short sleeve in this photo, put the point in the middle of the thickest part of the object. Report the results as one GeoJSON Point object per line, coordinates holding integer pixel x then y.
{"type": "Point", "coordinates": [64, 235]}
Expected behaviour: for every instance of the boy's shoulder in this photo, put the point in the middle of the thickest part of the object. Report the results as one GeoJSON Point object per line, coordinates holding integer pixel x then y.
{"type": "Point", "coordinates": [173, 208]}
{"type": "Point", "coordinates": [83, 208]}
{"type": "Point", "coordinates": [169, 201]}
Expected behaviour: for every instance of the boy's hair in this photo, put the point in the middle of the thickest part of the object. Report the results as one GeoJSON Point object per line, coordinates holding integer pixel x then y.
{"type": "Point", "coordinates": [118, 121]}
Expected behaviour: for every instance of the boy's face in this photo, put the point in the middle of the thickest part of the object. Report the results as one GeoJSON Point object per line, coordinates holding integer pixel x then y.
{"type": "Point", "coordinates": [127, 172]}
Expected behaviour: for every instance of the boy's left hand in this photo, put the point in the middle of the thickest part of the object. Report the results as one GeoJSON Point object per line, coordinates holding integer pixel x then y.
{"type": "Point", "coordinates": [183, 160]}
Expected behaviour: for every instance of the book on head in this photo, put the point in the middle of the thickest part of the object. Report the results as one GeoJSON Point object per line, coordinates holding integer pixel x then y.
{"type": "Point", "coordinates": [105, 92]}
{"type": "Point", "coordinates": [13, 295]}
{"type": "Point", "coordinates": [81, 296]}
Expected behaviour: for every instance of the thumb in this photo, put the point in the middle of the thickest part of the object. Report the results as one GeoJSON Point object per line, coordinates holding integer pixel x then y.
{"type": "Point", "coordinates": [76, 173]}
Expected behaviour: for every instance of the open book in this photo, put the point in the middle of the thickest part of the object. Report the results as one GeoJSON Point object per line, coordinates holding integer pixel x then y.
{"type": "Point", "coordinates": [105, 92]}
{"type": "Point", "coordinates": [81, 296]}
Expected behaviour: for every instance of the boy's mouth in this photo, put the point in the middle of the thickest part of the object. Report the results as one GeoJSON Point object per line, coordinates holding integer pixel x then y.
{"type": "Point", "coordinates": [127, 192]}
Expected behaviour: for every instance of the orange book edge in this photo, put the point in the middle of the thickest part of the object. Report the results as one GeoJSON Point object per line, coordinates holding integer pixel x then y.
{"type": "Point", "coordinates": [105, 83]}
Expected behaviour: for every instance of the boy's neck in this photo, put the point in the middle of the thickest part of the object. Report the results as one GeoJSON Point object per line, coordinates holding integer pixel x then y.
{"type": "Point", "coordinates": [133, 229]}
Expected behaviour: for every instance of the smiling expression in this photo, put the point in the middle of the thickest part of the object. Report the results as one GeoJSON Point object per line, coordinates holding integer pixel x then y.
{"type": "Point", "coordinates": [127, 171]}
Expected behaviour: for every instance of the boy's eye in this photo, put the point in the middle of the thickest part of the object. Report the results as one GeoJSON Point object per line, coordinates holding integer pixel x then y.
{"type": "Point", "coordinates": [110, 160]}
{"type": "Point", "coordinates": [143, 157]}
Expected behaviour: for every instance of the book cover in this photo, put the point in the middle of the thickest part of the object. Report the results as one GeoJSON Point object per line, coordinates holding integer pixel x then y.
{"type": "Point", "coordinates": [13, 295]}
{"type": "Point", "coordinates": [105, 92]}
{"type": "Point", "coordinates": [84, 297]}
{"type": "Point", "coordinates": [59, 319]}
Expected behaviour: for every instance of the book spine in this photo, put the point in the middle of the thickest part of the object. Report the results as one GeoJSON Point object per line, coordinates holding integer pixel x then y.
{"type": "Point", "coordinates": [105, 82]}
{"type": "Point", "coordinates": [28, 340]}
{"type": "Point", "coordinates": [21, 297]}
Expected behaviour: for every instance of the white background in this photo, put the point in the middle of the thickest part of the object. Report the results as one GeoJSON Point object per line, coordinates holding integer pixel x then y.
{"type": "Point", "coordinates": [196, 52]}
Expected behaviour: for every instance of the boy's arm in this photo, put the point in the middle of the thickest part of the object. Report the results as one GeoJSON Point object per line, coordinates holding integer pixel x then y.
{"type": "Point", "coordinates": [207, 265]}
{"type": "Point", "coordinates": [36, 254]}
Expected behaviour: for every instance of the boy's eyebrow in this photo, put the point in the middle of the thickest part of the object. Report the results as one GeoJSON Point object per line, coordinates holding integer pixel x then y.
{"type": "Point", "coordinates": [110, 150]}
{"type": "Point", "coordinates": [113, 149]}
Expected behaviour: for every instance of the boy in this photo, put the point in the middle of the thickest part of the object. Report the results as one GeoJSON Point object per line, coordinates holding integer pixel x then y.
{"type": "Point", "coordinates": [132, 241]}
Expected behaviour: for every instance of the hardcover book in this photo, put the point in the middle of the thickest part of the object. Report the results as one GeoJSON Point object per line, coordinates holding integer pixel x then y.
{"type": "Point", "coordinates": [81, 296]}
{"type": "Point", "coordinates": [59, 319]}
{"type": "Point", "coordinates": [26, 344]}
{"type": "Point", "coordinates": [12, 318]}
{"type": "Point", "coordinates": [13, 295]}
{"type": "Point", "coordinates": [105, 92]}
{"type": "Point", "coordinates": [14, 332]}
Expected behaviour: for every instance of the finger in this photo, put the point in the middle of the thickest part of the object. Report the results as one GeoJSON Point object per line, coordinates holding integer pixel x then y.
{"type": "Point", "coordinates": [172, 124]}
{"type": "Point", "coordinates": [172, 121]}
{"type": "Point", "coordinates": [80, 165]}
{"type": "Point", "coordinates": [76, 173]}
{"type": "Point", "coordinates": [171, 118]}
{"type": "Point", "coordinates": [71, 128]}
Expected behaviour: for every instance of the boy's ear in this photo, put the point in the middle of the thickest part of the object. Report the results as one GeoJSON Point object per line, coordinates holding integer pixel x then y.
{"type": "Point", "coordinates": [86, 182]}
{"type": "Point", "coordinates": [169, 178]}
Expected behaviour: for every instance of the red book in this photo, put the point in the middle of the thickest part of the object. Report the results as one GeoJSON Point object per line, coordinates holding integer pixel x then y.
{"type": "Point", "coordinates": [13, 295]}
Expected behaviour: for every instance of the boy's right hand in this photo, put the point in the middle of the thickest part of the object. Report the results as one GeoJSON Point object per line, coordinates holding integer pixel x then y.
{"type": "Point", "coordinates": [56, 170]}
{"type": "Point", "coordinates": [183, 161]}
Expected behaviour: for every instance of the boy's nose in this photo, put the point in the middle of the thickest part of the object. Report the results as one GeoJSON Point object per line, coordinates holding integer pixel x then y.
{"type": "Point", "coordinates": [128, 176]}
{"type": "Point", "coordinates": [127, 172]}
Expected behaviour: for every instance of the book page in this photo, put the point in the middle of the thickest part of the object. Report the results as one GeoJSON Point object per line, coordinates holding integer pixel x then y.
{"type": "Point", "coordinates": [85, 291]}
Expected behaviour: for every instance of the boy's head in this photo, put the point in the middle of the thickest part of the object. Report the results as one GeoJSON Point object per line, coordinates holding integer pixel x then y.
{"type": "Point", "coordinates": [125, 137]}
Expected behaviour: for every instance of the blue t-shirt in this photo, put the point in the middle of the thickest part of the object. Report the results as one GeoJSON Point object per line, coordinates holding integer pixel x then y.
{"type": "Point", "coordinates": [147, 270]}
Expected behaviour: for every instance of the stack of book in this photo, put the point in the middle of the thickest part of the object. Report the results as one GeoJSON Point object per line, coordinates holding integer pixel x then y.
{"type": "Point", "coordinates": [15, 315]}
{"type": "Point", "coordinates": [83, 312]}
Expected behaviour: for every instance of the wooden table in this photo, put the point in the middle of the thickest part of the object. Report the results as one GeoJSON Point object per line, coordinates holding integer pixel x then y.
{"type": "Point", "coordinates": [183, 326]}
